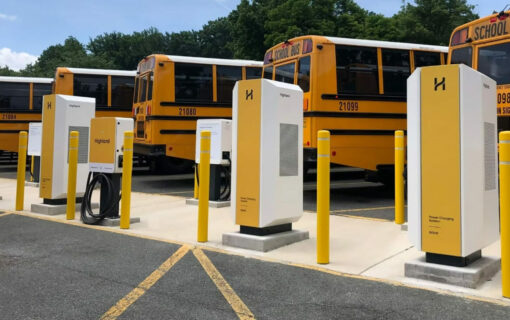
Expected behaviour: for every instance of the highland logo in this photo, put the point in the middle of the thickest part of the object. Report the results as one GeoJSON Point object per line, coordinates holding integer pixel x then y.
{"type": "Point", "coordinates": [100, 141]}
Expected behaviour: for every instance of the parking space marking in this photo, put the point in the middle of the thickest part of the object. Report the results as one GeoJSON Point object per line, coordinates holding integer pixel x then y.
{"type": "Point", "coordinates": [242, 311]}
{"type": "Point", "coordinates": [362, 209]}
{"type": "Point", "coordinates": [5, 213]}
{"type": "Point", "coordinates": [497, 301]}
{"type": "Point", "coordinates": [145, 285]}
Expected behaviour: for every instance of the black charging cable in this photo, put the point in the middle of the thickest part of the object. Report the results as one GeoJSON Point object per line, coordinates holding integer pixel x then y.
{"type": "Point", "coordinates": [112, 196]}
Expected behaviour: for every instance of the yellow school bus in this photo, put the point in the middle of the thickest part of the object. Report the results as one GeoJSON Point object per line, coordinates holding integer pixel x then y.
{"type": "Point", "coordinates": [113, 89]}
{"type": "Point", "coordinates": [20, 103]}
{"type": "Point", "coordinates": [172, 93]}
{"type": "Point", "coordinates": [354, 88]}
{"type": "Point", "coordinates": [484, 45]}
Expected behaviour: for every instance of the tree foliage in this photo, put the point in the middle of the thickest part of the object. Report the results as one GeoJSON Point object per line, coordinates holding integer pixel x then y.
{"type": "Point", "coordinates": [256, 25]}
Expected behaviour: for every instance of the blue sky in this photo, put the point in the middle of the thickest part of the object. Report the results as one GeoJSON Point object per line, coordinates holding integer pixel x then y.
{"type": "Point", "coordinates": [27, 27]}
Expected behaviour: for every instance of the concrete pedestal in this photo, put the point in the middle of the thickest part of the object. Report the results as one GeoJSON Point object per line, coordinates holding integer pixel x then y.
{"type": "Point", "coordinates": [55, 209]}
{"type": "Point", "coordinates": [108, 222]}
{"type": "Point", "coordinates": [470, 276]}
{"type": "Point", "coordinates": [263, 243]}
{"type": "Point", "coordinates": [212, 204]}
{"type": "Point", "coordinates": [32, 184]}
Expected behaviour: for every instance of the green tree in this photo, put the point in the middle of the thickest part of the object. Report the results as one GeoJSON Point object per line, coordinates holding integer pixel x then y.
{"type": "Point", "coordinates": [215, 39]}
{"type": "Point", "coordinates": [6, 71]}
{"type": "Point", "coordinates": [71, 54]}
{"type": "Point", "coordinates": [432, 21]}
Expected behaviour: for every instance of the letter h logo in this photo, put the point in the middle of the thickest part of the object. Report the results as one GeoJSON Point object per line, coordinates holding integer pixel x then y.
{"type": "Point", "coordinates": [437, 84]}
{"type": "Point", "coordinates": [249, 94]}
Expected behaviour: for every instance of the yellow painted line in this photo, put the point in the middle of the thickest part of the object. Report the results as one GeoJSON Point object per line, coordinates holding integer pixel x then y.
{"type": "Point", "coordinates": [145, 285]}
{"type": "Point", "coordinates": [5, 213]}
{"type": "Point", "coordinates": [233, 299]}
{"type": "Point", "coordinates": [502, 302]}
{"type": "Point", "coordinates": [362, 209]}
{"type": "Point", "coordinates": [362, 218]}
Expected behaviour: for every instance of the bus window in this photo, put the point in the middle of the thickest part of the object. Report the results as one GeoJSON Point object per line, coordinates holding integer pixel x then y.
{"type": "Point", "coordinates": [226, 79]}
{"type": "Point", "coordinates": [122, 92]}
{"type": "Point", "coordinates": [14, 96]}
{"type": "Point", "coordinates": [151, 81]}
{"type": "Point", "coordinates": [135, 94]}
{"type": "Point", "coordinates": [253, 73]}
{"type": "Point", "coordinates": [92, 86]}
{"type": "Point", "coordinates": [40, 89]}
{"type": "Point", "coordinates": [424, 58]}
{"type": "Point", "coordinates": [494, 60]}
{"type": "Point", "coordinates": [193, 82]}
{"type": "Point", "coordinates": [268, 73]}
{"type": "Point", "coordinates": [143, 87]}
{"type": "Point", "coordinates": [356, 70]}
{"type": "Point", "coordinates": [304, 73]}
{"type": "Point", "coordinates": [285, 73]}
{"type": "Point", "coordinates": [396, 70]}
{"type": "Point", "coordinates": [462, 55]}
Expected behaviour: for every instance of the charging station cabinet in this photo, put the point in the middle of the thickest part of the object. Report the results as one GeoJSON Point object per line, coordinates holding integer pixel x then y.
{"type": "Point", "coordinates": [221, 149]}
{"type": "Point", "coordinates": [452, 163]}
{"type": "Point", "coordinates": [106, 141]}
{"type": "Point", "coordinates": [267, 156]}
{"type": "Point", "coordinates": [62, 114]}
{"type": "Point", "coordinates": [105, 162]}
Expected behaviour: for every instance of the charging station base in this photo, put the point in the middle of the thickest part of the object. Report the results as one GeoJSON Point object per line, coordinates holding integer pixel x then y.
{"type": "Point", "coordinates": [115, 222]}
{"type": "Point", "coordinates": [32, 184]}
{"type": "Point", "coordinates": [55, 209]}
{"type": "Point", "coordinates": [263, 243]}
{"type": "Point", "coordinates": [470, 276]}
{"type": "Point", "coordinates": [212, 204]}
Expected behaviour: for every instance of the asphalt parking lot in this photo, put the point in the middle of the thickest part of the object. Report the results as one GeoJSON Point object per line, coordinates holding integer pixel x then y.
{"type": "Point", "coordinates": [54, 270]}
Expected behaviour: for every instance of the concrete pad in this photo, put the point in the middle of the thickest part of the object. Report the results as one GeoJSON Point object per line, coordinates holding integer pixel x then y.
{"type": "Point", "coordinates": [107, 222]}
{"type": "Point", "coordinates": [53, 210]}
{"type": "Point", "coordinates": [263, 243]}
{"type": "Point", "coordinates": [212, 204]}
{"type": "Point", "coordinates": [470, 276]}
{"type": "Point", "coordinates": [32, 184]}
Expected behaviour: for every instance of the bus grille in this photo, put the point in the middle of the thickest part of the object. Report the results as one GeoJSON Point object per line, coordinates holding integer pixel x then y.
{"type": "Point", "coordinates": [140, 129]}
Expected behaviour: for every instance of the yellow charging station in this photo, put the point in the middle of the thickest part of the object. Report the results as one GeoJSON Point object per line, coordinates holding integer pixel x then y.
{"type": "Point", "coordinates": [105, 164]}
{"type": "Point", "coordinates": [452, 169]}
{"type": "Point", "coordinates": [267, 156]}
{"type": "Point", "coordinates": [62, 114]}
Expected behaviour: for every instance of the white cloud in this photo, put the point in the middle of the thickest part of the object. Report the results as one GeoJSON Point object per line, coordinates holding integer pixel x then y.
{"type": "Point", "coordinates": [4, 16]}
{"type": "Point", "coordinates": [15, 60]}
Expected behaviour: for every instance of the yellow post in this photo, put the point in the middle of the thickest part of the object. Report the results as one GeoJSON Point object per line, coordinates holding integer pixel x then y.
{"type": "Point", "coordinates": [203, 174]}
{"type": "Point", "coordinates": [32, 169]}
{"type": "Point", "coordinates": [399, 177]}
{"type": "Point", "coordinates": [74, 138]}
{"type": "Point", "coordinates": [127, 168]}
{"type": "Point", "coordinates": [22, 168]}
{"type": "Point", "coordinates": [504, 207]}
{"type": "Point", "coordinates": [323, 142]}
{"type": "Point", "coordinates": [195, 189]}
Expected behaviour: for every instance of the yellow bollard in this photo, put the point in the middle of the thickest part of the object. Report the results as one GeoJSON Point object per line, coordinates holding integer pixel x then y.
{"type": "Point", "coordinates": [203, 174]}
{"type": "Point", "coordinates": [127, 168]}
{"type": "Point", "coordinates": [32, 169]}
{"type": "Point", "coordinates": [74, 138]}
{"type": "Point", "coordinates": [195, 188]}
{"type": "Point", "coordinates": [504, 207]}
{"type": "Point", "coordinates": [399, 177]}
{"type": "Point", "coordinates": [323, 159]}
{"type": "Point", "coordinates": [22, 168]}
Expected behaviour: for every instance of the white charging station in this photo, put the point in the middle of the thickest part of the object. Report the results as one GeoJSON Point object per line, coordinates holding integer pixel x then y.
{"type": "Point", "coordinates": [452, 168]}
{"type": "Point", "coordinates": [267, 160]}
{"type": "Point", "coordinates": [62, 114]}
{"type": "Point", "coordinates": [221, 139]}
